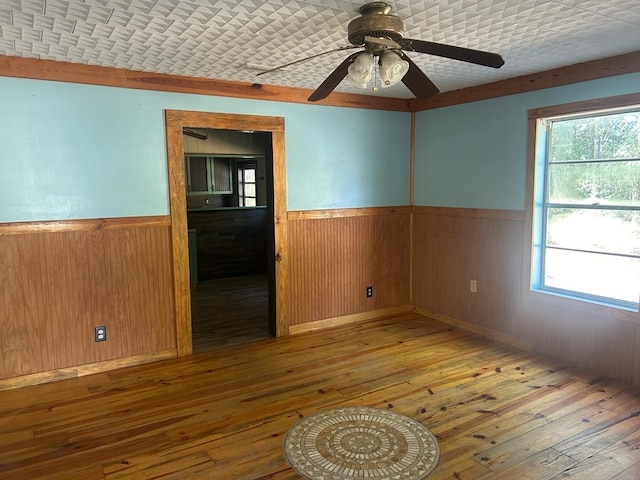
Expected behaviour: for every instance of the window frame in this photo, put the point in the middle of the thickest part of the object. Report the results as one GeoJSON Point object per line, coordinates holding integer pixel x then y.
{"type": "Point", "coordinates": [241, 168]}
{"type": "Point", "coordinates": [536, 196]}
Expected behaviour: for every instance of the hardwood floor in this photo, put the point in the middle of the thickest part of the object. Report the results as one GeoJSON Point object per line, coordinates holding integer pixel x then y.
{"type": "Point", "coordinates": [499, 413]}
{"type": "Point", "coordinates": [229, 311]}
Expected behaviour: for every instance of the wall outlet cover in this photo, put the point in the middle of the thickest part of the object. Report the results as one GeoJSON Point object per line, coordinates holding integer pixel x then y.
{"type": "Point", "coordinates": [101, 334]}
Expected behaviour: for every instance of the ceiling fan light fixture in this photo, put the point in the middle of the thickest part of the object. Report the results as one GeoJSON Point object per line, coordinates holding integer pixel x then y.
{"type": "Point", "coordinates": [361, 70]}
{"type": "Point", "coordinates": [392, 68]}
{"type": "Point", "coordinates": [381, 36]}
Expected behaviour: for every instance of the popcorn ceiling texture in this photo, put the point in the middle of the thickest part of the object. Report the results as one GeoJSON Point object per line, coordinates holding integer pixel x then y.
{"type": "Point", "coordinates": [217, 39]}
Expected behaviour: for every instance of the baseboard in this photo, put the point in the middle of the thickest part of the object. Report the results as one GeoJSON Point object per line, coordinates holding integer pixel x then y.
{"type": "Point", "coordinates": [82, 370]}
{"type": "Point", "coordinates": [346, 319]}
{"type": "Point", "coordinates": [480, 330]}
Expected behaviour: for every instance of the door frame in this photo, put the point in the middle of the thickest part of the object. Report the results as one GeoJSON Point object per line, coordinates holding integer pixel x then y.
{"type": "Point", "coordinates": [175, 121]}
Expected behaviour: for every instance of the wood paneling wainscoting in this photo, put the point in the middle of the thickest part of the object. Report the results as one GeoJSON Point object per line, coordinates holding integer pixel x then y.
{"type": "Point", "coordinates": [61, 279]}
{"type": "Point", "coordinates": [335, 254]}
{"type": "Point", "coordinates": [452, 246]}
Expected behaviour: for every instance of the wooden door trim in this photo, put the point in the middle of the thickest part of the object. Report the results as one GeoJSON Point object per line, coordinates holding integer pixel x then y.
{"type": "Point", "coordinates": [176, 120]}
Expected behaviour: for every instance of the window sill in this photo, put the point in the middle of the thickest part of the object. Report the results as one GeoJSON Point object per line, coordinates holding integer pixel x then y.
{"type": "Point", "coordinates": [586, 306]}
{"type": "Point", "coordinates": [629, 307]}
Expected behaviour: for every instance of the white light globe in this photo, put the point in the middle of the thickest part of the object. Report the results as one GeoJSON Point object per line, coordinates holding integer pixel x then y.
{"type": "Point", "coordinates": [359, 72]}
{"type": "Point", "coordinates": [392, 69]}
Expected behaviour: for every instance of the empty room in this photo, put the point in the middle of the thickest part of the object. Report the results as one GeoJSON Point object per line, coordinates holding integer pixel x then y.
{"type": "Point", "coordinates": [326, 240]}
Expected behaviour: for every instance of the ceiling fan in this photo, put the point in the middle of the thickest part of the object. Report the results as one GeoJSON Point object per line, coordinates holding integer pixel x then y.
{"type": "Point", "coordinates": [381, 36]}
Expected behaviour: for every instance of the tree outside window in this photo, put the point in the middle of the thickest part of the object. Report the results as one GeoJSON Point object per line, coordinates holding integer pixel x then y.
{"type": "Point", "coordinates": [587, 207]}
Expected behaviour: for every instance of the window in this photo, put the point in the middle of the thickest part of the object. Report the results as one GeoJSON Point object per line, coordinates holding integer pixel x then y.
{"type": "Point", "coordinates": [586, 206]}
{"type": "Point", "coordinates": [247, 185]}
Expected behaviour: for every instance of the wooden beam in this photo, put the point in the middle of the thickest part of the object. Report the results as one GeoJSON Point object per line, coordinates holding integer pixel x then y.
{"type": "Point", "coordinates": [179, 235]}
{"type": "Point", "coordinates": [16, 228]}
{"type": "Point", "coordinates": [412, 176]}
{"type": "Point", "coordinates": [176, 120]}
{"type": "Point", "coordinates": [19, 67]}
{"type": "Point", "coordinates": [579, 72]}
{"type": "Point", "coordinates": [470, 212]}
{"type": "Point", "coordinates": [95, 75]}
{"type": "Point", "coordinates": [345, 212]}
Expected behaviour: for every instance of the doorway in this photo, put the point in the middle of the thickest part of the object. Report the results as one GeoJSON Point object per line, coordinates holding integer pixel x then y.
{"type": "Point", "coordinates": [229, 197]}
{"type": "Point", "coordinates": [176, 121]}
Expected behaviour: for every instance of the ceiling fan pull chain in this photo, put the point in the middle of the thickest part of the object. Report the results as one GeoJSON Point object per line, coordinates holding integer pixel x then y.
{"type": "Point", "coordinates": [376, 76]}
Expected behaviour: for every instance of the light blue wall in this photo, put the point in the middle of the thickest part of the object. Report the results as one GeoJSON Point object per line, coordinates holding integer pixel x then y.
{"type": "Point", "coordinates": [71, 151]}
{"type": "Point", "coordinates": [343, 157]}
{"type": "Point", "coordinates": [474, 155]}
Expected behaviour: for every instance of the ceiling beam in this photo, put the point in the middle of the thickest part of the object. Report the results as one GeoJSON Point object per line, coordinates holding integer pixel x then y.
{"type": "Point", "coordinates": [115, 77]}
{"type": "Point", "coordinates": [579, 72]}
{"type": "Point", "coordinates": [94, 75]}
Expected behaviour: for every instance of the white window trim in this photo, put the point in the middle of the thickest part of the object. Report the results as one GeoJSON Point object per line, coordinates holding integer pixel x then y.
{"type": "Point", "coordinates": [536, 152]}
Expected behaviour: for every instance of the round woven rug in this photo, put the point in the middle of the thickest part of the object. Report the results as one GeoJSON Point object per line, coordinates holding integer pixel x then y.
{"type": "Point", "coordinates": [361, 443]}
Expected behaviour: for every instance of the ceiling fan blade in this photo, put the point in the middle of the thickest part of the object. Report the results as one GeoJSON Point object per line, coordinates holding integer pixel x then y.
{"type": "Point", "coordinates": [300, 60]}
{"type": "Point", "coordinates": [191, 133]}
{"type": "Point", "coordinates": [416, 80]}
{"type": "Point", "coordinates": [457, 53]}
{"type": "Point", "coordinates": [333, 79]}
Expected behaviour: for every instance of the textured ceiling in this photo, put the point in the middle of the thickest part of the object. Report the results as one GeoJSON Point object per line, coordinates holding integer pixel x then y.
{"type": "Point", "coordinates": [219, 39]}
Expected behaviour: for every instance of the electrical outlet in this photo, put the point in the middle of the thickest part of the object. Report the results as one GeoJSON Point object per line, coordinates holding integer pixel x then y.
{"type": "Point", "coordinates": [369, 291]}
{"type": "Point", "coordinates": [101, 334]}
{"type": "Point", "coordinates": [473, 286]}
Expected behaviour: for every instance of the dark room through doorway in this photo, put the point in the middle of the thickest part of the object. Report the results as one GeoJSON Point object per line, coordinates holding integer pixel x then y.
{"type": "Point", "coordinates": [229, 200]}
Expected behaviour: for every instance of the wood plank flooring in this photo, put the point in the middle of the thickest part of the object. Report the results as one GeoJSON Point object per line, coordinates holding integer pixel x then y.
{"type": "Point", "coordinates": [499, 413]}
{"type": "Point", "coordinates": [229, 311]}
